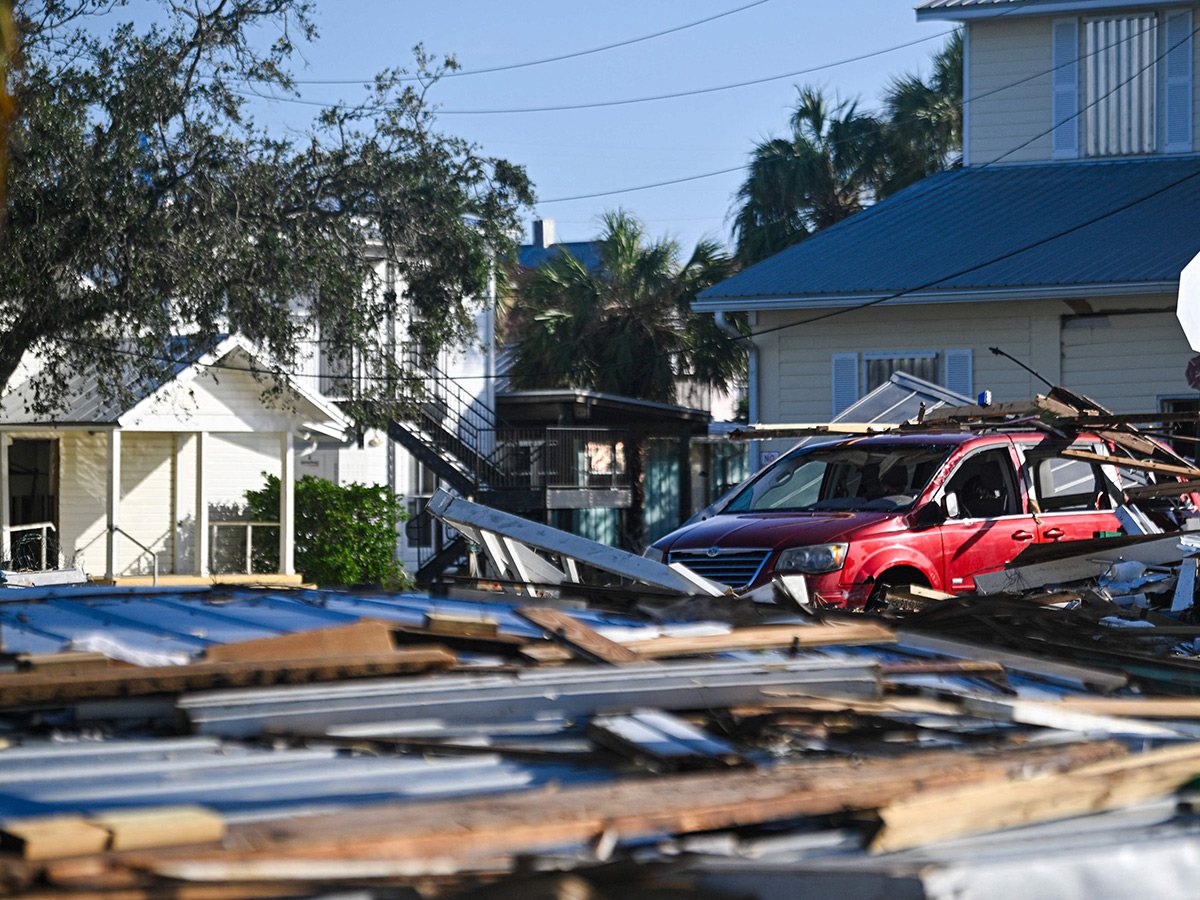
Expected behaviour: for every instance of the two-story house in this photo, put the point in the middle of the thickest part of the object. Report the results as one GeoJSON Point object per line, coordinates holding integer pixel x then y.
{"type": "Point", "coordinates": [1059, 241]}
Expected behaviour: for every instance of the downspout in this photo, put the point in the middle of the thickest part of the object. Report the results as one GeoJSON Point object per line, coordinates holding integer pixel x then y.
{"type": "Point", "coordinates": [751, 376]}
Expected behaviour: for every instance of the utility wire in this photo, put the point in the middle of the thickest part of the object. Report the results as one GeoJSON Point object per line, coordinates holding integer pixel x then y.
{"type": "Point", "coordinates": [552, 59]}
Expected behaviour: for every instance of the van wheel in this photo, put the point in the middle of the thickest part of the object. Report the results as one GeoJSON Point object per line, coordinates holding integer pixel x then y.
{"type": "Point", "coordinates": [901, 576]}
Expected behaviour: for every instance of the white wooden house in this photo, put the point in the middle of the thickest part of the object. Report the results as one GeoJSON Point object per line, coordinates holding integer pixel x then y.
{"type": "Point", "coordinates": [1060, 241]}
{"type": "Point", "coordinates": [146, 487]}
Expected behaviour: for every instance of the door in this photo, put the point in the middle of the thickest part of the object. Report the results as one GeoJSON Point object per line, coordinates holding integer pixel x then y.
{"type": "Point", "coordinates": [991, 526]}
{"type": "Point", "coordinates": [1074, 499]}
{"type": "Point", "coordinates": [33, 502]}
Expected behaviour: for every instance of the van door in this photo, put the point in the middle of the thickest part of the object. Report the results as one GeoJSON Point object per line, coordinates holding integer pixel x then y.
{"type": "Point", "coordinates": [991, 526]}
{"type": "Point", "coordinates": [1074, 499]}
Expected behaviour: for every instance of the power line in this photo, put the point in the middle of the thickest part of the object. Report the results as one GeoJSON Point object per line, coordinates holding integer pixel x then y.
{"type": "Point", "coordinates": [552, 59]}
{"type": "Point", "coordinates": [966, 102]}
{"type": "Point", "coordinates": [629, 101]}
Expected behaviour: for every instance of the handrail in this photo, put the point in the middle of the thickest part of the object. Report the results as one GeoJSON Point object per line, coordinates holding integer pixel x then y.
{"type": "Point", "coordinates": [241, 523]}
{"type": "Point", "coordinates": [43, 527]}
{"type": "Point", "coordinates": [117, 529]}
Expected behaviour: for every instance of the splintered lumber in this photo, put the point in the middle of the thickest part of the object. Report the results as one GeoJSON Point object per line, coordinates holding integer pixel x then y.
{"type": "Point", "coordinates": [36, 687]}
{"type": "Point", "coordinates": [160, 826]}
{"type": "Point", "coordinates": [359, 639]}
{"type": "Point", "coordinates": [559, 816]}
{"type": "Point", "coordinates": [1124, 462]}
{"type": "Point", "coordinates": [51, 837]}
{"type": "Point", "coordinates": [577, 637]}
{"type": "Point", "coordinates": [993, 411]}
{"type": "Point", "coordinates": [1166, 489]}
{"type": "Point", "coordinates": [758, 637]}
{"type": "Point", "coordinates": [936, 815]}
{"type": "Point", "coordinates": [1068, 674]}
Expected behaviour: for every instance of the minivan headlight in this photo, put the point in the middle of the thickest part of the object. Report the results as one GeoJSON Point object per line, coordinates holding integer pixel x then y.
{"type": "Point", "coordinates": [814, 559]}
{"type": "Point", "coordinates": [654, 554]}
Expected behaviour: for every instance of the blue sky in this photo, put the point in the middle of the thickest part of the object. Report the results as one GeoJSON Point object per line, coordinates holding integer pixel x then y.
{"type": "Point", "coordinates": [569, 153]}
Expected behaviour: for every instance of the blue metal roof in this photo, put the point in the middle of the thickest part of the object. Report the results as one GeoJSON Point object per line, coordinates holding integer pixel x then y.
{"type": "Point", "coordinates": [1052, 228]}
{"type": "Point", "coordinates": [587, 252]}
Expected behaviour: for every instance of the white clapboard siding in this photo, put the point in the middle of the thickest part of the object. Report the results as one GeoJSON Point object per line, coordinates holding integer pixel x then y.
{"type": "Point", "coordinates": [1127, 362]}
{"type": "Point", "coordinates": [796, 364]}
{"type": "Point", "coordinates": [236, 463]}
{"type": "Point", "coordinates": [147, 488]}
{"type": "Point", "coordinates": [82, 484]}
{"type": "Point", "coordinates": [1010, 75]}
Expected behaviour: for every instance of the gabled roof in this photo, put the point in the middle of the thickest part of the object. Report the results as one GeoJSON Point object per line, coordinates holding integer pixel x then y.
{"type": "Point", "coordinates": [959, 10]}
{"type": "Point", "coordinates": [1001, 232]}
{"type": "Point", "coordinates": [86, 404]}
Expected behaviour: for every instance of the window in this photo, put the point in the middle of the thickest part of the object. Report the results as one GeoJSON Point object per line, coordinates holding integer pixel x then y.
{"type": "Point", "coordinates": [1184, 437]}
{"type": "Point", "coordinates": [1068, 485]}
{"type": "Point", "coordinates": [880, 366]}
{"type": "Point", "coordinates": [854, 377]}
{"type": "Point", "coordinates": [1122, 85]}
{"type": "Point", "coordinates": [984, 486]}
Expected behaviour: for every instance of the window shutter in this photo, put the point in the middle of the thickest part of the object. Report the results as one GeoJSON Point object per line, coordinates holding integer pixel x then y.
{"type": "Point", "coordinates": [959, 375]}
{"type": "Point", "coordinates": [1177, 82]}
{"type": "Point", "coordinates": [845, 381]}
{"type": "Point", "coordinates": [1065, 109]}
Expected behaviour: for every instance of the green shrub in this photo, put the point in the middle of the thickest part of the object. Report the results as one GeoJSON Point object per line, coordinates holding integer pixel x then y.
{"type": "Point", "coordinates": [344, 534]}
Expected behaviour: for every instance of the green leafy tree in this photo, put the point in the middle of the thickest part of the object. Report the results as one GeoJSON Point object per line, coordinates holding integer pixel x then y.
{"type": "Point", "coordinates": [924, 131]}
{"type": "Point", "coordinates": [345, 534]}
{"type": "Point", "coordinates": [809, 180]}
{"type": "Point", "coordinates": [626, 327]}
{"type": "Point", "coordinates": [144, 201]}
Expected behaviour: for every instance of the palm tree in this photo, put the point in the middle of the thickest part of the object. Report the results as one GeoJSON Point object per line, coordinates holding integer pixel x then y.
{"type": "Point", "coordinates": [924, 129]}
{"type": "Point", "coordinates": [810, 180]}
{"type": "Point", "coordinates": [627, 327]}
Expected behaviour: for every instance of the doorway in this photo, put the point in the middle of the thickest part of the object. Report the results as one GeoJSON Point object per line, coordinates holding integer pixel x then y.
{"type": "Point", "coordinates": [33, 502]}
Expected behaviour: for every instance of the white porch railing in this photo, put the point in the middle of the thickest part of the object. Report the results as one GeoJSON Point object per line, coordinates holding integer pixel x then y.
{"type": "Point", "coordinates": [249, 526]}
{"type": "Point", "coordinates": [153, 556]}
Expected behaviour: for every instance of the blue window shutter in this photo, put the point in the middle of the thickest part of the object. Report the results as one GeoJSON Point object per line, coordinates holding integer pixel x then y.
{"type": "Point", "coordinates": [959, 372]}
{"type": "Point", "coordinates": [1065, 78]}
{"type": "Point", "coordinates": [845, 381]}
{"type": "Point", "coordinates": [1177, 82]}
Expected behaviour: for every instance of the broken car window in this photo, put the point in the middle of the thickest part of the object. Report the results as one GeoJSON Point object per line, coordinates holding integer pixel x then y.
{"type": "Point", "coordinates": [876, 477]}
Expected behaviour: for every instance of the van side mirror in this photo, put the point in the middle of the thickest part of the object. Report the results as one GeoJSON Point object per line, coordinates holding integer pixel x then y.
{"type": "Point", "coordinates": [928, 516]}
{"type": "Point", "coordinates": [950, 505]}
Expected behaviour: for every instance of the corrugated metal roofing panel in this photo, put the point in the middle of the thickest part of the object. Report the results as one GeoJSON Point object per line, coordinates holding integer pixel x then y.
{"type": "Point", "coordinates": [1087, 224]}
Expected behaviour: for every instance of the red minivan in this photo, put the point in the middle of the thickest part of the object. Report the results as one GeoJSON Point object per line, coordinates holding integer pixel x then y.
{"type": "Point", "coordinates": [931, 509]}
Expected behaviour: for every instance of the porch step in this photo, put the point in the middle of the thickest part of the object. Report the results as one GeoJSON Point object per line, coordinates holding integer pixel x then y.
{"type": "Point", "coordinates": [199, 580]}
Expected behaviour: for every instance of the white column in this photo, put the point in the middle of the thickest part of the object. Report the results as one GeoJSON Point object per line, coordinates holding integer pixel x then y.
{"type": "Point", "coordinates": [201, 506]}
{"type": "Point", "coordinates": [113, 504]}
{"type": "Point", "coordinates": [287, 504]}
{"type": "Point", "coordinates": [177, 504]}
{"type": "Point", "coordinates": [5, 501]}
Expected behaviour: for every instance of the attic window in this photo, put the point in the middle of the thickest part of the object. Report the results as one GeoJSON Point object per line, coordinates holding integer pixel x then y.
{"type": "Point", "coordinates": [1120, 85]}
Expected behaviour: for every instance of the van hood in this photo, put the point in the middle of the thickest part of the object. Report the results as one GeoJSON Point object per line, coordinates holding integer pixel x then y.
{"type": "Point", "coordinates": [769, 530]}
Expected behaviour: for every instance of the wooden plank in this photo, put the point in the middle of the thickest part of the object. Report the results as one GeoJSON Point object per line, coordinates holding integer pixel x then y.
{"type": "Point", "coordinates": [1125, 462]}
{"type": "Point", "coordinates": [577, 637]}
{"type": "Point", "coordinates": [51, 837]}
{"type": "Point", "coordinates": [1169, 489]}
{"type": "Point", "coordinates": [462, 626]}
{"type": "Point", "coordinates": [63, 662]}
{"type": "Point", "coordinates": [759, 637]}
{"type": "Point", "coordinates": [34, 687]}
{"type": "Point", "coordinates": [161, 826]}
{"type": "Point", "coordinates": [994, 411]}
{"type": "Point", "coordinates": [368, 638]}
{"type": "Point", "coordinates": [1137, 707]}
{"type": "Point", "coordinates": [561, 816]}
{"type": "Point", "coordinates": [938, 815]}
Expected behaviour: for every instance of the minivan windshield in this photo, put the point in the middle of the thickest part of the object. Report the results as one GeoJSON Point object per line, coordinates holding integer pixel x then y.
{"type": "Point", "coordinates": [857, 477]}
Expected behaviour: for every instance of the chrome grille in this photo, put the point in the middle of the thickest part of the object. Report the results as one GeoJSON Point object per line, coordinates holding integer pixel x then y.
{"type": "Point", "coordinates": [736, 568]}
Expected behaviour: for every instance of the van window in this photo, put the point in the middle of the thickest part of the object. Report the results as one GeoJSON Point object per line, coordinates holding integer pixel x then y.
{"type": "Point", "coordinates": [1066, 485]}
{"type": "Point", "coordinates": [985, 485]}
{"type": "Point", "coordinates": [859, 477]}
